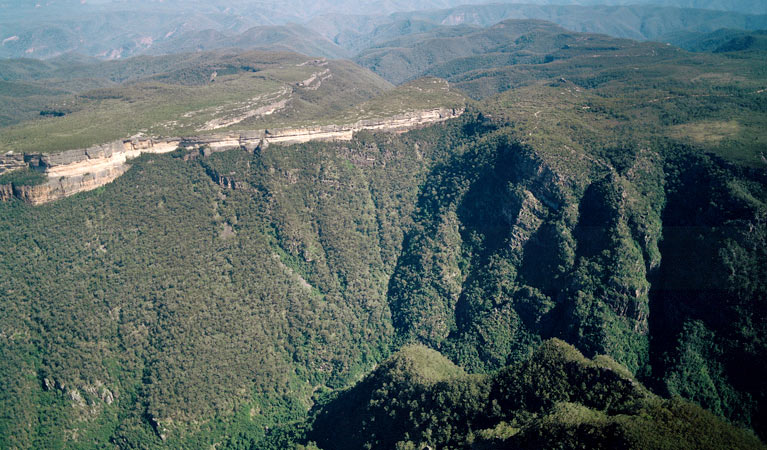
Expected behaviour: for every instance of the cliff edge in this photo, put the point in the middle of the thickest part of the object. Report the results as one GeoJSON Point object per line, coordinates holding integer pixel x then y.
{"type": "Point", "coordinates": [80, 170]}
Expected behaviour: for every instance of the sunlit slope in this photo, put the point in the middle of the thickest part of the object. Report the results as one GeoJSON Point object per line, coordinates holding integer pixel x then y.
{"type": "Point", "coordinates": [225, 91]}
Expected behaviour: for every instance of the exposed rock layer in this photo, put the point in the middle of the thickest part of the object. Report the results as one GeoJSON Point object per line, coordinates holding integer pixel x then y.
{"type": "Point", "coordinates": [11, 161]}
{"type": "Point", "coordinates": [73, 171]}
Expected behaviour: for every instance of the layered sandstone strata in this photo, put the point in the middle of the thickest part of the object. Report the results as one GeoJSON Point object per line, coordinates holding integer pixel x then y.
{"type": "Point", "coordinates": [73, 171]}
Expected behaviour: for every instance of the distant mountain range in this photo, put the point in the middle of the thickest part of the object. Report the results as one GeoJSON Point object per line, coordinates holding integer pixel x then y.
{"type": "Point", "coordinates": [118, 30]}
{"type": "Point", "coordinates": [719, 41]}
{"type": "Point", "coordinates": [302, 9]}
{"type": "Point", "coordinates": [291, 37]}
{"type": "Point", "coordinates": [635, 22]}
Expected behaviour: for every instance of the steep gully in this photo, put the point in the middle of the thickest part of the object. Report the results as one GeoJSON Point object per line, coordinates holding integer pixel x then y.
{"type": "Point", "coordinates": [79, 170]}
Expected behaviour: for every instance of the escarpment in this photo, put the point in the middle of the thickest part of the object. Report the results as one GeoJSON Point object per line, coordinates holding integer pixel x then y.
{"type": "Point", "coordinates": [79, 170]}
{"type": "Point", "coordinates": [73, 171]}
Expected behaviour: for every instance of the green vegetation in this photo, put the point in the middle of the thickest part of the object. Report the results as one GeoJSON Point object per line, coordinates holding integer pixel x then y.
{"type": "Point", "coordinates": [721, 41]}
{"type": "Point", "coordinates": [23, 177]}
{"type": "Point", "coordinates": [611, 197]}
{"type": "Point", "coordinates": [252, 91]}
{"type": "Point", "coordinates": [189, 99]}
{"type": "Point", "coordinates": [200, 313]}
{"type": "Point", "coordinates": [555, 399]}
{"type": "Point", "coordinates": [422, 94]}
{"type": "Point", "coordinates": [416, 216]}
{"type": "Point", "coordinates": [568, 88]}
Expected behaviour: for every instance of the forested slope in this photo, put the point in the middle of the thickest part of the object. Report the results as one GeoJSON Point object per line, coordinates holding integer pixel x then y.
{"type": "Point", "coordinates": [167, 298]}
{"type": "Point", "coordinates": [554, 399]}
{"type": "Point", "coordinates": [647, 262]}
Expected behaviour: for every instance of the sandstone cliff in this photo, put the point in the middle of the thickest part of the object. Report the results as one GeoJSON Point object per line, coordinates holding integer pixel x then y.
{"type": "Point", "coordinates": [73, 171]}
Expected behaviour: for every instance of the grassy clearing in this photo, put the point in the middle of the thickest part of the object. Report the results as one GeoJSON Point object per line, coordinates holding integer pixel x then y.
{"type": "Point", "coordinates": [707, 132]}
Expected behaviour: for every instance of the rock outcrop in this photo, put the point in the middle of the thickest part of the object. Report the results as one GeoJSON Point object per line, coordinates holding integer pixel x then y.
{"type": "Point", "coordinates": [6, 192]}
{"type": "Point", "coordinates": [73, 171]}
{"type": "Point", "coordinates": [79, 170]}
{"type": "Point", "coordinates": [11, 161]}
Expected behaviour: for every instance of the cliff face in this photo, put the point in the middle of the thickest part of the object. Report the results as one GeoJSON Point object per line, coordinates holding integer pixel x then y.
{"type": "Point", "coordinates": [80, 170]}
